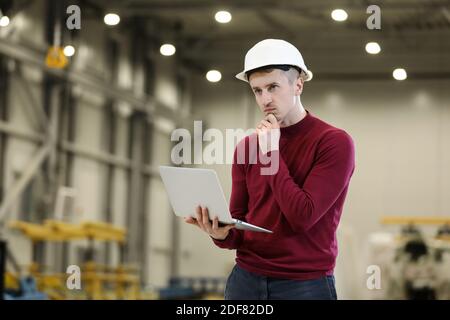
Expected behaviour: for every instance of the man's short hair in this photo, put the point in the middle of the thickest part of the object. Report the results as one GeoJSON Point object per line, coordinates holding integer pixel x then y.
{"type": "Point", "coordinates": [283, 67]}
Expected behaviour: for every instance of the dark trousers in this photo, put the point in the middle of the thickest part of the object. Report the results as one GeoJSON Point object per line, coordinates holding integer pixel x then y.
{"type": "Point", "coordinates": [245, 285]}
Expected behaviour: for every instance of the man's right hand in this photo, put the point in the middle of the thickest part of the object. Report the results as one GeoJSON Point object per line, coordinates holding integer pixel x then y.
{"type": "Point", "coordinates": [212, 229]}
{"type": "Point", "coordinates": [268, 131]}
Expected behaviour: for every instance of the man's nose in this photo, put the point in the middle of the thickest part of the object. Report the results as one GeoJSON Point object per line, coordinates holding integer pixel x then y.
{"type": "Point", "coordinates": [266, 98]}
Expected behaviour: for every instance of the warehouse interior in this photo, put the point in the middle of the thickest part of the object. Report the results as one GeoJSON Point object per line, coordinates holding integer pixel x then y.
{"type": "Point", "coordinates": [87, 113]}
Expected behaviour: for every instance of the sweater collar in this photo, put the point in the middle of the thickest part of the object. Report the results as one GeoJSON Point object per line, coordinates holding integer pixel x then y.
{"type": "Point", "coordinates": [298, 128]}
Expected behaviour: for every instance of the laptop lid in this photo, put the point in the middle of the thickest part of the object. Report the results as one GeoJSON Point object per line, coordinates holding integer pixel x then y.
{"type": "Point", "coordinates": [189, 187]}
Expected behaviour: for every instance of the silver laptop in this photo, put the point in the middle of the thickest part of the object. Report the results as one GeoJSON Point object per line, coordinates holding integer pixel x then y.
{"type": "Point", "coordinates": [190, 187]}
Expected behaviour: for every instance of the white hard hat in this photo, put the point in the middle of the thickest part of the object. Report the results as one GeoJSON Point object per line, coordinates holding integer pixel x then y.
{"type": "Point", "coordinates": [273, 52]}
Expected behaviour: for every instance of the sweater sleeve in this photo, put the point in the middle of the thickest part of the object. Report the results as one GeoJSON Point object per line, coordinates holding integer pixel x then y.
{"type": "Point", "coordinates": [238, 204]}
{"type": "Point", "coordinates": [303, 206]}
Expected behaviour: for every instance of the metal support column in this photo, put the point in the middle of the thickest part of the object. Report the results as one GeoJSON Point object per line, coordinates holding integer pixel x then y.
{"type": "Point", "coordinates": [51, 94]}
{"type": "Point", "coordinates": [144, 81]}
{"type": "Point", "coordinates": [110, 135]}
{"type": "Point", "coordinates": [175, 223]}
{"type": "Point", "coordinates": [110, 138]}
{"type": "Point", "coordinates": [134, 188]}
{"type": "Point", "coordinates": [4, 90]}
{"type": "Point", "coordinates": [65, 158]}
{"type": "Point", "coordinates": [140, 154]}
{"type": "Point", "coordinates": [147, 139]}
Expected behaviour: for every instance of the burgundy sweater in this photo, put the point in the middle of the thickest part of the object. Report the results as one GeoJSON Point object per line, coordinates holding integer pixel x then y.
{"type": "Point", "coordinates": [302, 203]}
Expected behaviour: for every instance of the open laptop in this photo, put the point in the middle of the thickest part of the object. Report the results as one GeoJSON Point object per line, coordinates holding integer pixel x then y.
{"type": "Point", "coordinates": [190, 187]}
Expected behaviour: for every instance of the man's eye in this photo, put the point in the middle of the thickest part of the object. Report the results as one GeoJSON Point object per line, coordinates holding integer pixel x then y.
{"type": "Point", "coordinates": [257, 91]}
{"type": "Point", "coordinates": [272, 87]}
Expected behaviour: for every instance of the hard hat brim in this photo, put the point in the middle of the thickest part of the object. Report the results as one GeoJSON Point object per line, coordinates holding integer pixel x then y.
{"type": "Point", "coordinates": [242, 76]}
{"type": "Point", "coordinates": [305, 74]}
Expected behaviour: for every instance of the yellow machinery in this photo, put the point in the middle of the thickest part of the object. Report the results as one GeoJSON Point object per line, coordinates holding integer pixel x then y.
{"type": "Point", "coordinates": [419, 266]}
{"type": "Point", "coordinates": [55, 58]}
{"type": "Point", "coordinates": [411, 221]}
{"type": "Point", "coordinates": [95, 278]}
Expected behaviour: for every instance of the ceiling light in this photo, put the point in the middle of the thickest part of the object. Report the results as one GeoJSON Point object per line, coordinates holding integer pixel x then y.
{"type": "Point", "coordinates": [223, 16]}
{"type": "Point", "coordinates": [373, 48]}
{"type": "Point", "coordinates": [69, 51]}
{"type": "Point", "coordinates": [111, 19]}
{"type": "Point", "coordinates": [213, 76]}
{"type": "Point", "coordinates": [399, 74]}
{"type": "Point", "coordinates": [167, 49]}
{"type": "Point", "coordinates": [4, 21]}
{"type": "Point", "coordinates": [339, 15]}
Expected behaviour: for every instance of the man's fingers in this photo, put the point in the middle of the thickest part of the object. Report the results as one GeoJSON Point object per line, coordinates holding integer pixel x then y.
{"type": "Point", "coordinates": [262, 130]}
{"type": "Point", "coordinates": [215, 225]}
{"type": "Point", "coordinates": [190, 220]}
{"type": "Point", "coordinates": [275, 124]}
{"type": "Point", "coordinates": [206, 222]}
{"type": "Point", "coordinates": [205, 216]}
{"type": "Point", "coordinates": [230, 226]}
{"type": "Point", "coordinates": [271, 118]}
{"type": "Point", "coordinates": [200, 220]}
{"type": "Point", "coordinates": [266, 124]}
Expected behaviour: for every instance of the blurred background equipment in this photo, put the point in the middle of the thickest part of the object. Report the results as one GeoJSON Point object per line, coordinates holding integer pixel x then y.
{"type": "Point", "coordinates": [98, 281]}
{"type": "Point", "coordinates": [414, 262]}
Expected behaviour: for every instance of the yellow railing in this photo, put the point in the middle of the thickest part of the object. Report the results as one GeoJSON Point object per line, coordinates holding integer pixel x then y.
{"type": "Point", "coordinates": [416, 220]}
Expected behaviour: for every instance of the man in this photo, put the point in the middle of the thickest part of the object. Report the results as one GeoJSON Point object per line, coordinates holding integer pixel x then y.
{"type": "Point", "coordinates": [301, 202]}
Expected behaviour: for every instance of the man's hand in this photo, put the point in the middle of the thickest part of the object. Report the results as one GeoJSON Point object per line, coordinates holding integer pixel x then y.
{"type": "Point", "coordinates": [202, 221]}
{"type": "Point", "coordinates": [268, 131]}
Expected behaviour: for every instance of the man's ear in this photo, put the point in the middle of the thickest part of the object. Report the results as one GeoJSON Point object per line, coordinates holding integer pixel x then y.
{"type": "Point", "coordinates": [299, 86]}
